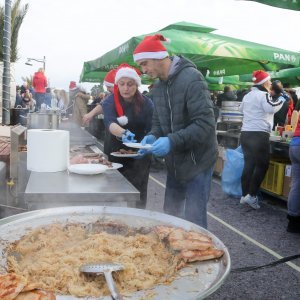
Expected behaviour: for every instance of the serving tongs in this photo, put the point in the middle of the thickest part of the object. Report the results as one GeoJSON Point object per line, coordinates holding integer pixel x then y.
{"type": "Point", "coordinates": [107, 269]}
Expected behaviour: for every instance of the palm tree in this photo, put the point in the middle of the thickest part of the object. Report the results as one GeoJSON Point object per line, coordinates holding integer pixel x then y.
{"type": "Point", "coordinates": [28, 80]}
{"type": "Point", "coordinates": [17, 16]}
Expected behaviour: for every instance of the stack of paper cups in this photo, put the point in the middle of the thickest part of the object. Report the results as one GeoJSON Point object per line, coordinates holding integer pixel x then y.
{"type": "Point", "coordinates": [47, 150]}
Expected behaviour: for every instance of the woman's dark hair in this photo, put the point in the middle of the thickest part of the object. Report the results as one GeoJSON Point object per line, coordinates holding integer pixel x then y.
{"type": "Point", "coordinates": [276, 88]}
{"type": "Point", "coordinates": [138, 102]}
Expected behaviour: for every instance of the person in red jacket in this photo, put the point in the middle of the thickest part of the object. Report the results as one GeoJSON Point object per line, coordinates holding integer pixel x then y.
{"type": "Point", "coordinates": [39, 83]}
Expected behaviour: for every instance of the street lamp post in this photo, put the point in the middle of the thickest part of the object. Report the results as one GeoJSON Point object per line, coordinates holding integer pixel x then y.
{"type": "Point", "coordinates": [43, 60]}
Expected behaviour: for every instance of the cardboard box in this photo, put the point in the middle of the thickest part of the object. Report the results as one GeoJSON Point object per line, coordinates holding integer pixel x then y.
{"type": "Point", "coordinates": [219, 166]}
{"type": "Point", "coordinates": [287, 181]}
{"type": "Point", "coordinates": [222, 152]}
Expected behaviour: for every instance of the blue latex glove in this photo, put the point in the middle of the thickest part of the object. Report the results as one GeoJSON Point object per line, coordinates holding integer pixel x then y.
{"type": "Point", "coordinates": [161, 147]}
{"type": "Point", "coordinates": [128, 137]}
{"type": "Point", "coordinates": [148, 139]}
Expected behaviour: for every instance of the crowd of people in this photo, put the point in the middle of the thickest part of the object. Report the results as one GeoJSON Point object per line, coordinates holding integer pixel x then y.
{"type": "Point", "coordinates": [38, 96]}
{"type": "Point", "coordinates": [183, 132]}
{"type": "Point", "coordinates": [177, 119]}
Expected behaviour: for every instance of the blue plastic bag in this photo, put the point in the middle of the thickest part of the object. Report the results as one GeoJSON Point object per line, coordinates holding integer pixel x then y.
{"type": "Point", "coordinates": [232, 172]}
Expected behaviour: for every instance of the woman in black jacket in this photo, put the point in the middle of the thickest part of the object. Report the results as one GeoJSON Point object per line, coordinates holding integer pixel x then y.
{"type": "Point", "coordinates": [127, 116]}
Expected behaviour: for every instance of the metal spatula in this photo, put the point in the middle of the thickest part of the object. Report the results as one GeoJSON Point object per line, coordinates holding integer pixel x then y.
{"type": "Point", "coordinates": [107, 269]}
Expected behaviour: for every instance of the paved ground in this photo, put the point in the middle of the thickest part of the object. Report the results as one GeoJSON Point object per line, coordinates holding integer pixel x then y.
{"type": "Point", "coordinates": [252, 237]}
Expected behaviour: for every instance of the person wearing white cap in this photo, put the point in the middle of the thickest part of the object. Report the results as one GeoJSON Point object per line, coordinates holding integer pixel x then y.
{"type": "Point", "coordinates": [183, 128]}
{"type": "Point", "coordinates": [258, 108]}
{"type": "Point", "coordinates": [128, 116]}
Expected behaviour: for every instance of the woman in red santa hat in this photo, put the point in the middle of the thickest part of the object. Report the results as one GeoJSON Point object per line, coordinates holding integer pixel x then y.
{"type": "Point", "coordinates": [128, 117]}
{"type": "Point", "coordinates": [258, 108]}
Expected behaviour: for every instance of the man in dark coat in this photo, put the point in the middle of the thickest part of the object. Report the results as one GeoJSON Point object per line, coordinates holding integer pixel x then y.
{"type": "Point", "coordinates": [183, 129]}
{"type": "Point", "coordinates": [228, 95]}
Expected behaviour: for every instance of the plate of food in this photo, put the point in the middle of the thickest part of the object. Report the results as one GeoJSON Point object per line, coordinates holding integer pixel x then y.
{"type": "Point", "coordinates": [115, 166]}
{"type": "Point", "coordinates": [138, 145]}
{"type": "Point", "coordinates": [164, 257]}
{"type": "Point", "coordinates": [87, 169]}
{"type": "Point", "coordinates": [125, 153]}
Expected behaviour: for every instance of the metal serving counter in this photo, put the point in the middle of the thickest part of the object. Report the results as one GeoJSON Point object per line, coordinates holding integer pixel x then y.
{"type": "Point", "coordinates": [45, 190]}
{"type": "Point", "coordinates": [36, 190]}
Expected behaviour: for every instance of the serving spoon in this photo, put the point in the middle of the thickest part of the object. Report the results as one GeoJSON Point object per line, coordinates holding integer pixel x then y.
{"type": "Point", "coordinates": [106, 269]}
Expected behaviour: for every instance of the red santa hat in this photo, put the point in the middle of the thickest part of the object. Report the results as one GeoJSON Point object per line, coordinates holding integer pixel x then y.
{"type": "Point", "coordinates": [72, 85]}
{"type": "Point", "coordinates": [109, 79]}
{"type": "Point", "coordinates": [260, 77]}
{"type": "Point", "coordinates": [151, 47]}
{"type": "Point", "coordinates": [124, 70]}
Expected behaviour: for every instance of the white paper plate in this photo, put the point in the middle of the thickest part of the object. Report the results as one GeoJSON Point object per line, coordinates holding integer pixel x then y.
{"type": "Point", "coordinates": [124, 155]}
{"type": "Point", "coordinates": [115, 166]}
{"type": "Point", "coordinates": [87, 169]}
{"type": "Point", "coordinates": [138, 145]}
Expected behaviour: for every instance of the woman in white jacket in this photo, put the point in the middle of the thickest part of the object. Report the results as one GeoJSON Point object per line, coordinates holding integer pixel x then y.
{"type": "Point", "coordinates": [258, 108]}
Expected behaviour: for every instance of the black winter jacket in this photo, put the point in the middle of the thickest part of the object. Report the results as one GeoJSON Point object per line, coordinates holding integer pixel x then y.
{"type": "Point", "coordinates": [183, 111]}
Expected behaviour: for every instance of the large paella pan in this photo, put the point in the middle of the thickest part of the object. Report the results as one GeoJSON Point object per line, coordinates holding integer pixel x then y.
{"type": "Point", "coordinates": [194, 281]}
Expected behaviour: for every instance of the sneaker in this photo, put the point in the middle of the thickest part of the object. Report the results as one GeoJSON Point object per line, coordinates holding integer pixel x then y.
{"type": "Point", "coordinates": [251, 200]}
{"type": "Point", "coordinates": [242, 201]}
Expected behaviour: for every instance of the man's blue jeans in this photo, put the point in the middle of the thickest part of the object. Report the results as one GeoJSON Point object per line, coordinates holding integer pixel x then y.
{"type": "Point", "coordinates": [189, 200]}
{"type": "Point", "coordinates": [294, 195]}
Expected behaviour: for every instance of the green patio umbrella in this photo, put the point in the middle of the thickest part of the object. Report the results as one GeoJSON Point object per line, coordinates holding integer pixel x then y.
{"type": "Point", "coordinates": [93, 76]}
{"type": "Point", "coordinates": [287, 4]}
{"type": "Point", "coordinates": [291, 76]}
{"type": "Point", "coordinates": [220, 55]}
{"type": "Point", "coordinates": [227, 80]}
{"type": "Point", "coordinates": [220, 87]}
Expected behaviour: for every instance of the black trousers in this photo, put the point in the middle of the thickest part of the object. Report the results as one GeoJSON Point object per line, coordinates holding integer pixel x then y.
{"type": "Point", "coordinates": [256, 148]}
{"type": "Point", "coordinates": [136, 171]}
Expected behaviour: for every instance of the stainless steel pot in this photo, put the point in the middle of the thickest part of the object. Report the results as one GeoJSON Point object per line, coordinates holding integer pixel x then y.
{"type": "Point", "coordinates": [197, 281]}
{"type": "Point", "coordinates": [54, 120]}
{"type": "Point", "coordinates": [18, 115]}
{"type": "Point", "coordinates": [44, 120]}
{"type": "Point", "coordinates": [231, 104]}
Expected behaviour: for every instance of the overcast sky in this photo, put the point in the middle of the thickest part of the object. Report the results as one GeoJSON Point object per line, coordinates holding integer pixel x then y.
{"type": "Point", "coordinates": [69, 32]}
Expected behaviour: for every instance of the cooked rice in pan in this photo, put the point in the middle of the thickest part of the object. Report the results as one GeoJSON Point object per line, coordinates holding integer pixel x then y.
{"type": "Point", "coordinates": [50, 257]}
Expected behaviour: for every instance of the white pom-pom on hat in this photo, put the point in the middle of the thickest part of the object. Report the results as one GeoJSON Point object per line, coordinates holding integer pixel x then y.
{"type": "Point", "coordinates": [253, 78]}
{"type": "Point", "coordinates": [123, 120]}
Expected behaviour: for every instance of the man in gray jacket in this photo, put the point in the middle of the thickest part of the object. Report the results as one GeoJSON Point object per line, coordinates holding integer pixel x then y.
{"type": "Point", "coordinates": [183, 129]}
